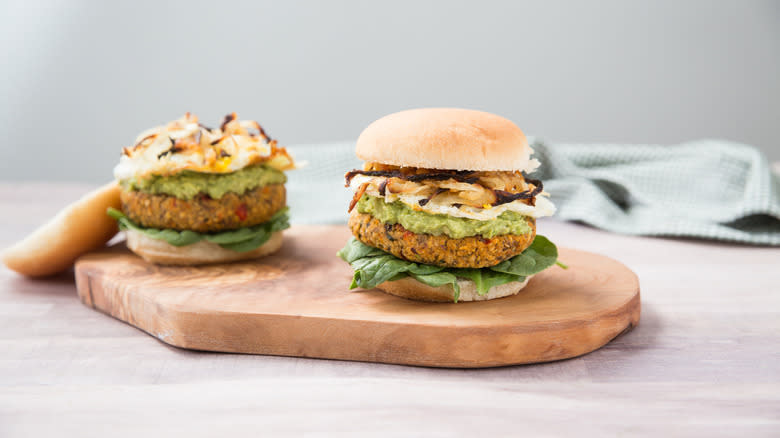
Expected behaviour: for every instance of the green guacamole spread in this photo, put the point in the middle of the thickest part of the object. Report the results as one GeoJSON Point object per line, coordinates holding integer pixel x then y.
{"type": "Point", "coordinates": [508, 222]}
{"type": "Point", "coordinates": [187, 184]}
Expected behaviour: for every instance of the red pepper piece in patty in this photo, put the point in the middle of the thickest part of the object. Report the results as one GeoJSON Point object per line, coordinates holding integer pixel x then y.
{"type": "Point", "coordinates": [241, 212]}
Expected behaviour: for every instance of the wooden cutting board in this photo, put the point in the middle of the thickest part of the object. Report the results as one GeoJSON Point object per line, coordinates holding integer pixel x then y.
{"type": "Point", "coordinates": [297, 303]}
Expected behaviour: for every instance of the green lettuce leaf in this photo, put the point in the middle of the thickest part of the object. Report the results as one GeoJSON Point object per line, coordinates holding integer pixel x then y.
{"type": "Point", "coordinates": [240, 240]}
{"type": "Point", "coordinates": [373, 267]}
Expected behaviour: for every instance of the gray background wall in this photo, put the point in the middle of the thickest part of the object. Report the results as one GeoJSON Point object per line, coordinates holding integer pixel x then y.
{"type": "Point", "coordinates": [80, 79]}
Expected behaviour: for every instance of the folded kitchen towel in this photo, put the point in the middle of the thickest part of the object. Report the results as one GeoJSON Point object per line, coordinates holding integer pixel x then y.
{"type": "Point", "coordinates": [704, 189]}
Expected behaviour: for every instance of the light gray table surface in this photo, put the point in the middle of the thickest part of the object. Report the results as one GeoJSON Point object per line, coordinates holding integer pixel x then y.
{"type": "Point", "coordinates": [704, 361]}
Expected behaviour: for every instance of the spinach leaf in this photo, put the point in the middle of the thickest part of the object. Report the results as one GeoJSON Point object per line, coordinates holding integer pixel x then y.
{"type": "Point", "coordinates": [420, 269]}
{"type": "Point", "coordinates": [536, 258]}
{"type": "Point", "coordinates": [254, 242]}
{"type": "Point", "coordinates": [373, 267]}
{"type": "Point", "coordinates": [233, 236]}
{"type": "Point", "coordinates": [374, 270]}
{"type": "Point", "coordinates": [240, 240]}
{"type": "Point", "coordinates": [355, 249]}
{"type": "Point", "coordinates": [440, 279]}
{"type": "Point", "coordinates": [485, 279]}
{"type": "Point", "coordinates": [371, 271]}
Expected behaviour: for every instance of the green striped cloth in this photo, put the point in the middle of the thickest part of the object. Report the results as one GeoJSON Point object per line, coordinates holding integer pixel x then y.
{"type": "Point", "coordinates": [705, 189]}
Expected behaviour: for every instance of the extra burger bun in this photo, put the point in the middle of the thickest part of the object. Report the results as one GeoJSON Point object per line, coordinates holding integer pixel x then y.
{"type": "Point", "coordinates": [163, 253]}
{"type": "Point", "coordinates": [414, 290]}
{"type": "Point", "coordinates": [446, 138]}
{"type": "Point", "coordinates": [79, 228]}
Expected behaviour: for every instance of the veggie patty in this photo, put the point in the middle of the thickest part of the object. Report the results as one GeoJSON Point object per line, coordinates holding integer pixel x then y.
{"type": "Point", "coordinates": [468, 252]}
{"type": "Point", "coordinates": [203, 213]}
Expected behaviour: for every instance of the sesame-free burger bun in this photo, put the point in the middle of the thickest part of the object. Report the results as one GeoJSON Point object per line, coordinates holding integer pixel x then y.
{"type": "Point", "coordinates": [412, 289]}
{"type": "Point", "coordinates": [79, 228]}
{"type": "Point", "coordinates": [446, 138]}
{"type": "Point", "coordinates": [199, 253]}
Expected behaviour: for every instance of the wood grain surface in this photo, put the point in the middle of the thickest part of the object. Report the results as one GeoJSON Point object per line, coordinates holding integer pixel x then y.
{"type": "Point", "coordinates": [704, 361]}
{"type": "Point", "coordinates": [297, 303]}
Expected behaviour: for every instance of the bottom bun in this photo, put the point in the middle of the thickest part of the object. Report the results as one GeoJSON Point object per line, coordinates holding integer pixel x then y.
{"type": "Point", "coordinates": [412, 289]}
{"type": "Point", "coordinates": [203, 252]}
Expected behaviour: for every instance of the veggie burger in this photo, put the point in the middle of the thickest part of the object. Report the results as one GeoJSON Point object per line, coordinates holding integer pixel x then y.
{"type": "Point", "coordinates": [442, 209]}
{"type": "Point", "coordinates": [192, 195]}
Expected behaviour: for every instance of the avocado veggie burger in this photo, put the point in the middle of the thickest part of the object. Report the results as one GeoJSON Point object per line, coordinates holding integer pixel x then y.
{"type": "Point", "coordinates": [193, 195]}
{"type": "Point", "coordinates": [443, 210]}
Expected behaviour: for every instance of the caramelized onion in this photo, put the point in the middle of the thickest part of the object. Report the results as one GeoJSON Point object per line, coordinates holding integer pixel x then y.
{"type": "Point", "coordinates": [472, 188]}
{"type": "Point", "coordinates": [356, 198]}
{"type": "Point", "coordinates": [228, 118]}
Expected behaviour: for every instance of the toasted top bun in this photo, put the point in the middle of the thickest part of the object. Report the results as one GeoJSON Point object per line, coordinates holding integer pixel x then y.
{"type": "Point", "coordinates": [446, 138]}
{"type": "Point", "coordinates": [412, 289]}
{"type": "Point", "coordinates": [77, 229]}
{"type": "Point", "coordinates": [203, 252]}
